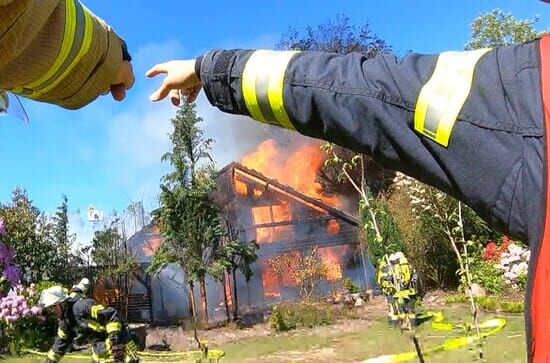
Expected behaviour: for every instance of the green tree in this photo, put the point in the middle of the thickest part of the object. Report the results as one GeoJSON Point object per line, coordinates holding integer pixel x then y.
{"type": "Point", "coordinates": [63, 240]}
{"type": "Point", "coordinates": [188, 219]}
{"type": "Point", "coordinates": [114, 259]}
{"type": "Point", "coordinates": [236, 255]}
{"type": "Point", "coordinates": [30, 234]}
{"type": "Point", "coordinates": [498, 29]}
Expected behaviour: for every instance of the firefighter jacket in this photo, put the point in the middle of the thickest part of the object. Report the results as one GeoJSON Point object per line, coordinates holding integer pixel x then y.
{"type": "Point", "coordinates": [405, 277]}
{"type": "Point", "coordinates": [385, 278]}
{"type": "Point", "coordinates": [94, 321]}
{"type": "Point", "coordinates": [56, 51]}
{"type": "Point", "coordinates": [469, 123]}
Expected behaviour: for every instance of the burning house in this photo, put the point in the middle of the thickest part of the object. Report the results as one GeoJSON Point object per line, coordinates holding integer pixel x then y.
{"type": "Point", "coordinates": [285, 222]}
{"type": "Point", "coordinates": [278, 204]}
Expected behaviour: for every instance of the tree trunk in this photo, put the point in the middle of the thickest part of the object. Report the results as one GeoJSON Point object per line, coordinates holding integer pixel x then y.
{"type": "Point", "coordinates": [225, 298]}
{"type": "Point", "coordinates": [204, 303]}
{"type": "Point", "coordinates": [235, 297]}
{"type": "Point", "coordinates": [192, 307]}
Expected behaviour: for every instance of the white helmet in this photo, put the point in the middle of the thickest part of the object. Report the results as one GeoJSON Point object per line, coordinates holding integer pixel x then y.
{"type": "Point", "coordinates": [53, 296]}
{"type": "Point", "coordinates": [83, 285]}
{"type": "Point", "coordinates": [399, 255]}
{"type": "Point", "coordinates": [393, 257]}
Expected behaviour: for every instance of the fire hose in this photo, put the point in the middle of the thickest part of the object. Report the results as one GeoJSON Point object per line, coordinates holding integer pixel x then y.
{"type": "Point", "coordinates": [212, 355]}
{"type": "Point", "coordinates": [489, 327]}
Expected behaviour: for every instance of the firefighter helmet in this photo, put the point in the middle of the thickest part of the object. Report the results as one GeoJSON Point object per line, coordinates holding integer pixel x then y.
{"type": "Point", "coordinates": [399, 255]}
{"type": "Point", "coordinates": [83, 286]}
{"type": "Point", "coordinates": [53, 296]}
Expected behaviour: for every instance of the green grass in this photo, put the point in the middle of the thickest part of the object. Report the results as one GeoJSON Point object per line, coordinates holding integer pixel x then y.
{"type": "Point", "coordinates": [506, 346]}
{"type": "Point", "coordinates": [328, 345]}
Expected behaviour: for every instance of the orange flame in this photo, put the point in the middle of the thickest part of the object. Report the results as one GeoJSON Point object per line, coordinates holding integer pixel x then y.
{"type": "Point", "coordinates": [270, 282]}
{"type": "Point", "coordinates": [332, 258]}
{"type": "Point", "coordinates": [266, 215]}
{"type": "Point", "coordinates": [333, 227]}
{"type": "Point", "coordinates": [297, 169]}
{"type": "Point", "coordinates": [240, 187]}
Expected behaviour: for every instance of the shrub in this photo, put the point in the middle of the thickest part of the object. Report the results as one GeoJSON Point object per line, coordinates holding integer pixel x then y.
{"type": "Point", "coordinates": [512, 307]}
{"type": "Point", "coordinates": [457, 299]}
{"type": "Point", "coordinates": [488, 275]}
{"type": "Point", "coordinates": [488, 303]}
{"type": "Point", "coordinates": [292, 315]}
{"type": "Point", "coordinates": [514, 263]}
{"type": "Point", "coordinates": [350, 286]}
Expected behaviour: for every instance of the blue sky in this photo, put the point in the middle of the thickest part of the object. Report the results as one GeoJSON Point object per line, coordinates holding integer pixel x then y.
{"type": "Point", "coordinates": [108, 153]}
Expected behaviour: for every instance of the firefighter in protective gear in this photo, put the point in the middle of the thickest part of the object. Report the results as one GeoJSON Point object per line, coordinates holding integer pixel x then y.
{"type": "Point", "coordinates": [80, 290]}
{"type": "Point", "coordinates": [101, 325]}
{"type": "Point", "coordinates": [471, 123]}
{"type": "Point", "coordinates": [385, 280]}
{"type": "Point", "coordinates": [405, 290]}
{"type": "Point", "coordinates": [58, 51]}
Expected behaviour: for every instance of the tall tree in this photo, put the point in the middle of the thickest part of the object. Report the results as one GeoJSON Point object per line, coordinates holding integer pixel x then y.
{"type": "Point", "coordinates": [498, 29]}
{"type": "Point", "coordinates": [63, 241]}
{"type": "Point", "coordinates": [235, 255]}
{"type": "Point", "coordinates": [114, 259]}
{"type": "Point", "coordinates": [188, 219]}
{"type": "Point", "coordinates": [29, 233]}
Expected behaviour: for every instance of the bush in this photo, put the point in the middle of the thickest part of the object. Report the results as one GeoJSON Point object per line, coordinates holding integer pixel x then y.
{"type": "Point", "coordinates": [293, 315]}
{"type": "Point", "coordinates": [488, 303]}
{"type": "Point", "coordinates": [350, 286]}
{"type": "Point", "coordinates": [457, 299]}
{"type": "Point", "coordinates": [512, 307]}
{"type": "Point", "coordinates": [488, 275]}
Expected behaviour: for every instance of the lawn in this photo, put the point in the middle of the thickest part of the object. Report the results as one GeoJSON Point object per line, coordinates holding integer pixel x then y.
{"type": "Point", "coordinates": [327, 344]}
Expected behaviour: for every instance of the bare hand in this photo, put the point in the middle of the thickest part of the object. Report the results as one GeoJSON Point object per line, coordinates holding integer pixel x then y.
{"type": "Point", "coordinates": [124, 81]}
{"type": "Point", "coordinates": [181, 80]}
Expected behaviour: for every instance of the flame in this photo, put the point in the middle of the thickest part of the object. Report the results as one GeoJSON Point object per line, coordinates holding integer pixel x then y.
{"type": "Point", "coordinates": [226, 290]}
{"type": "Point", "coordinates": [333, 227]}
{"type": "Point", "coordinates": [297, 169]}
{"type": "Point", "coordinates": [270, 282]}
{"type": "Point", "coordinates": [332, 258]}
{"type": "Point", "coordinates": [265, 215]}
{"type": "Point", "coordinates": [240, 187]}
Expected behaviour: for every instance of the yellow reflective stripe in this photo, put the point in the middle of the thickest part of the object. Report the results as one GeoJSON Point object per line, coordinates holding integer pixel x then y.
{"type": "Point", "coordinates": [442, 97]}
{"type": "Point", "coordinates": [96, 309]}
{"type": "Point", "coordinates": [262, 86]}
{"type": "Point", "coordinates": [113, 327]}
{"type": "Point", "coordinates": [95, 326]}
{"type": "Point", "coordinates": [62, 334]}
{"type": "Point", "coordinates": [95, 357]}
{"type": "Point", "coordinates": [54, 356]}
{"type": "Point", "coordinates": [77, 39]}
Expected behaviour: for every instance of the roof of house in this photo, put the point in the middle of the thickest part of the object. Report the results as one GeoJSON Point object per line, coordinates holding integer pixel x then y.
{"type": "Point", "coordinates": [254, 176]}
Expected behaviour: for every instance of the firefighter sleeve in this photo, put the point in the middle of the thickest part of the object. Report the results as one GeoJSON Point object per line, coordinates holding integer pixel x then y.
{"type": "Point", "coordinates": [109, 318]}
{"type": "Point", "coordinates": [464, 122]}
{"type": "Point", "coordinates": [56, 51]}
{"type": "Point", "coordinates": [61, 343]}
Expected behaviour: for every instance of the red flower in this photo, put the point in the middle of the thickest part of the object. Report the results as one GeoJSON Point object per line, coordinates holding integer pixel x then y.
{"type": "Point", "coordinates": [490, 252]}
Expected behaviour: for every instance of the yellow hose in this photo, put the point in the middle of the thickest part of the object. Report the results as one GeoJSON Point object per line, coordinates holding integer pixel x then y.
{"type": "Point", "coordinates": [492, 326]}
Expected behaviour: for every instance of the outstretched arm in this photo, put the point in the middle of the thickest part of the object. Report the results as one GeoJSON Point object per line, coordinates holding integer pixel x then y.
{"type": "Point", "coordinates": [58, 51]}
{"type": "Point", "coordinates": [460, 121]}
